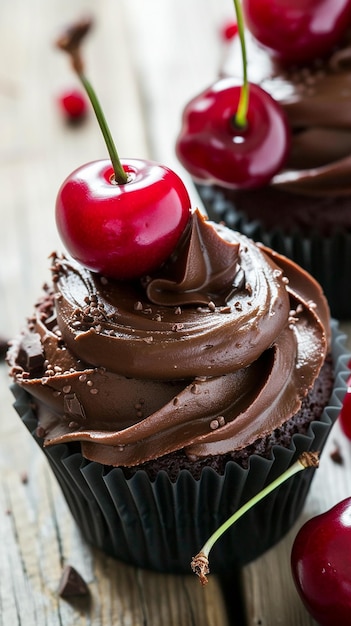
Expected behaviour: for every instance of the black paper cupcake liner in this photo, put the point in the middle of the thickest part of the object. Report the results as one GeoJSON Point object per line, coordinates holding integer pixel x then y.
{"type": "Point", "coordinates": [160, 524]}
{"type": "Point", "coordinates": [328, 259]}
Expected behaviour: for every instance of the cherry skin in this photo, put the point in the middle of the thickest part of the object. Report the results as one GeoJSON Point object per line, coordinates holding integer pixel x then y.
{"type": "Point", "coordinates": [345, 413]}
{"type": "Point", "coordinates": [122, 230]}
{"type": "Point", "coordinates": [229, 30]}
{"type": "Point", "coordinates": [298, 30]}
{"type": "Point", "coordinates": [321, 565]}
{"type": "Point", "coordinates": [215, 151]}
{"type": "Point", "coordinates": [73, 104]}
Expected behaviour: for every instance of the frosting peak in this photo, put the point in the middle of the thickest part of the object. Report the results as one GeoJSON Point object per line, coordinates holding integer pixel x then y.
{"type": "Point", "coordinates": [205, 269]}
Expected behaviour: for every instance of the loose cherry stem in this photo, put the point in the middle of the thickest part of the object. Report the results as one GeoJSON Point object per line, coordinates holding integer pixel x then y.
{"type": "Point", "coordinates": [200, 562]}
{"type": "Point", "coordinates": [240, 119]}
{"type": "Point", "coordinates": [70, 42]}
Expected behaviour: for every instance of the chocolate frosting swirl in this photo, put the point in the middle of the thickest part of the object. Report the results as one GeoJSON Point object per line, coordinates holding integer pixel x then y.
{"type": "Point", "coordinates": [133, 373]}
{"type": "Point", "coordinates": [317, 100]}
{"type": "Point", "coordinates": [207, 269]}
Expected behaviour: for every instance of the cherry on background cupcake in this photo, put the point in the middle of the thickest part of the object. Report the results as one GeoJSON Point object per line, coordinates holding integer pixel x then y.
{"type": "Point", "coordinates": [298, 31]}
{"type": "Point", "coordinates": [303, 211]}
{"type": "Point", "coordinates": [233, 134]}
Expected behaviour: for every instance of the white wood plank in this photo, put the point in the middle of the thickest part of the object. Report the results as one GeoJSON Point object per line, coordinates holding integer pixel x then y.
{"type": "Point", "coordinates": [176, 53]}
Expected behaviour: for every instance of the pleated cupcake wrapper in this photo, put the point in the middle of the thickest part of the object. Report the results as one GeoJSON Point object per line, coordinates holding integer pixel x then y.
{"type": "Point", "coordinates": [328, 259]}
{"type": "Point", "coordinates": [161, 524]}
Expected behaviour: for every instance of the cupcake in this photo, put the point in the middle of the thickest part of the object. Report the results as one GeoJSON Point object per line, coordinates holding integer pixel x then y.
{"type": "Point", "coordinates": [164, 403]}
{"type": "Point", "coordinates": [304, 211]}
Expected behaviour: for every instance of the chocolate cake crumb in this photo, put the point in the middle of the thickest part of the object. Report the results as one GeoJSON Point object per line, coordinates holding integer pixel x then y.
{"type": "Point", "coordinates": [3, 347]}
{"type": "Point", "coordinates": [72, 583]}
{"type": "Point", "coordinates": [40, 432]}
{"type": "Point", "coordinates": [336, 455]}
{"type": "Point", "coordinates": [24, 478]}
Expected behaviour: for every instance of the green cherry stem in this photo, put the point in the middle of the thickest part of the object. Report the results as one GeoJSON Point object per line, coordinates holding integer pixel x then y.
{"type": "Point", "coordinates": [200, 562]}
{"type": "Point", "coordinates": [240, 119]}
{"type": "Point", "coordinates": [120, 175]}
{"type": "Point", "coordinates": [70, 42]}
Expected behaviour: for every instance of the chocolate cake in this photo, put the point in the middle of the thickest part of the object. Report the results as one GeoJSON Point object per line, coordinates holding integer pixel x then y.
{"type": "Point", "coordinates": [162, 404]}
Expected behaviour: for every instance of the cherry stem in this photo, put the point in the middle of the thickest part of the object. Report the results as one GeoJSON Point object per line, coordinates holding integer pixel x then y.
{"type": "Point", "coordinates": [240, 119]}
{"type": "Point", "coordinates": [199, 563]}
{"type": "Point", "coordinates": [120, 175]}
{"type": "Point", "coordinates": [70, 42]}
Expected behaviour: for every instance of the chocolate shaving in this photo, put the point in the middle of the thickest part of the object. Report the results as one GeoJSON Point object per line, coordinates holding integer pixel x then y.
{"type": "Point", "coordinates": [73, 407]}
{"type": "Point", "coordinates": [72, 583]}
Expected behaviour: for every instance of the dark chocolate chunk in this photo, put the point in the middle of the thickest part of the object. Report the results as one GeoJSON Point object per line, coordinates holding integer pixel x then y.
{"type": "Point", "coordinates": [30, 355]}
{"type": "Point", "coordinates": [72, 584]}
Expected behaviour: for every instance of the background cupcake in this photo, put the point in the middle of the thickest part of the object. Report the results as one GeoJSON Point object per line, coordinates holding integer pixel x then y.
{"type": "Point", "coordinates": [304, 211]}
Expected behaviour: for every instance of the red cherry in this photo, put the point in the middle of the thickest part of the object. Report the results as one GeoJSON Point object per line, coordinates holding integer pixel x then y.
{"type": "Point", "coordinates": [321, 565]}
{"type": "Point", "coordinates": [229, 30]}
{"type": "Point", "coordinates": [214, 150]}
{"type": "Point", "coordinates": [73, 104]}
{"type": "Point", "coordinates": [298, 30]}
{"type": "Point", "coordinates": [122, 230]}
{"type": "Point", "coordinates": [345, 413]}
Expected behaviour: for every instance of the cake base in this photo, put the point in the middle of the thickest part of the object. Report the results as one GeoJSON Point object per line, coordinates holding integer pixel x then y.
{"type": "Point", "coordinates": [160, 522]}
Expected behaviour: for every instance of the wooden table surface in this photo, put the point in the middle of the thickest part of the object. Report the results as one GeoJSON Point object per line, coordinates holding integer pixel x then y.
{"type": "Point", "coordinates": [146, 59]}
